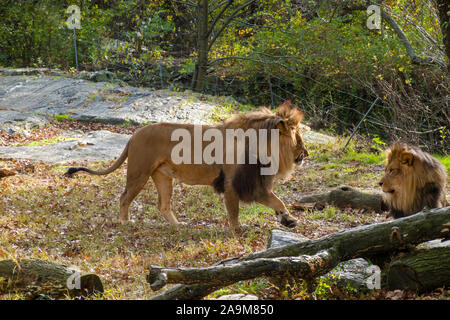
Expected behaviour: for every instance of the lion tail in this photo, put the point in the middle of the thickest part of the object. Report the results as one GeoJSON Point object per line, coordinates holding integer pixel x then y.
{"type": "Point", "coordinates": [116, 165]}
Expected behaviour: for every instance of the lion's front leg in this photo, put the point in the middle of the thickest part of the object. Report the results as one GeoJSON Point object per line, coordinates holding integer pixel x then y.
{"type": "Point", "coordinates": [231, 200]}
{"type": "Point", "coordinates": [281, 212]}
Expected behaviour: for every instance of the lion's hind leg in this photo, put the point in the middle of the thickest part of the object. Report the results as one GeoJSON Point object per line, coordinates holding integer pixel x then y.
{"type": "Point", "coordinates": [135, 183]}
{"type": "Point", "coordinates": [164, 187]}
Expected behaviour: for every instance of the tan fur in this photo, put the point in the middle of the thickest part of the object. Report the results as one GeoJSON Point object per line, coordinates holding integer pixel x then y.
{"type": "Point", "coordinates": [412, 180]}
{"type": "Point", "coordinates": [149, 155]}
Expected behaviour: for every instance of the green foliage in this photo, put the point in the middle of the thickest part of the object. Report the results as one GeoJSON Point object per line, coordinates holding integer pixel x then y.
{"type": "Point", "coordinates": [445, 161]}
{"type": "Point", "coordinates": [63, 117]}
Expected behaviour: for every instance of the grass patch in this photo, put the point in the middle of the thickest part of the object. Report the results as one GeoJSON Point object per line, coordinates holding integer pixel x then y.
{"type": "Point", "coordinates": [445, 161]}
{"type": "Point", "coordinates": [63, 117]}
{"type": "Point", "coordinates": [45, 142]}
{"type": "Point", "coordinates": [363, 157]}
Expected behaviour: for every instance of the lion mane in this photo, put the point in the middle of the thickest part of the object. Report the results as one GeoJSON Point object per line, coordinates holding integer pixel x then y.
{"type": "Point", "coordinates": [246, 179]}
{"type": "Point", "coordinates": [412, 180]}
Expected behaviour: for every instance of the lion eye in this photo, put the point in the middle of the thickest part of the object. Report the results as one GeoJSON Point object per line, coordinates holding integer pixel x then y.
{"type": "Point", "coordinates": [392, 171]}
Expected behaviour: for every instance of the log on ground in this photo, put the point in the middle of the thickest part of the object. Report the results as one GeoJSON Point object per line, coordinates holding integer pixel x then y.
{"type": "Point", "coordinates": [300, 267]}
{"type": "Point", "coordinates": [424, 269]}
{"type": "Point", "coordinates": [360, 242]}
{"type": "Point", "coordinates": [344, 196]}
{"type": "Point", "coordinates": [35, 276]}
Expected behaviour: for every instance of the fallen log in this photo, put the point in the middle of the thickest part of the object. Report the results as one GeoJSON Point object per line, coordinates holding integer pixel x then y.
{"type": "Point", "coordinates": [353, 273]}
{"type": "Point", "coordinates": [426, 268]}
{"type": "Point", "coordinates": [344, 196]}
{"type": "Point", "coordinates": [301, 267]}
{"type": "Point", "coordinates": [35, 277]}
{"type": "Point", "coordinates": [360, 242]}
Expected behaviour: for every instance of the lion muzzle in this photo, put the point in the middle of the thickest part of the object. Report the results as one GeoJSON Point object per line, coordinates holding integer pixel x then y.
{"type": "Point", "coordinates": [301, 156]}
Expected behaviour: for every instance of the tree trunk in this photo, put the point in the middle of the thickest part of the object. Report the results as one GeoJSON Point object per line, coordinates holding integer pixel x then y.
{"type": "Point", "coordinates": [344, 196]}
{"type": "Point", "coordinates": [424, 269]}
{"type": "Point", "coordinates": [198, 81]}
{"type": "Point", "coordinates": [35, 276]}
{"type": "Point", "coordinates": [443, 7]}
{"type": "Point", "coordinates": [361, 242]}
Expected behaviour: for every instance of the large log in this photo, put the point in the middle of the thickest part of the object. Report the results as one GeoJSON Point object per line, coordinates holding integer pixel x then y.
{"type": "Point", "coordinates": [35, 277]}
{"type": "Point", "coordinates": [344, 196]}
{"type": "Point", "coordinates": [353, 273]}
{"type": "Point", "coordinates": [361, 242]}
{"type": "Point", "coordinates": [426, 268]}
{"type": "Point", "coordinates": [300, 267]}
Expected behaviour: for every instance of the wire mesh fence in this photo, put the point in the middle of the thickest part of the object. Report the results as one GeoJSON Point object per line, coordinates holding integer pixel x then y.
{"type": "Point", "coordinates": [398, 113]}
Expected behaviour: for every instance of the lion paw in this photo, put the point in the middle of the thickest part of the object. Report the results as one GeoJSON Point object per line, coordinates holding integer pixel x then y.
{"type": "Point", "coordinates": [286, 220]}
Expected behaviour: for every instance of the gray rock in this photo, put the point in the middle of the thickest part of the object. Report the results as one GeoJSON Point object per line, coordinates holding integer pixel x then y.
{"type": "Point", "coordinates": [102, 76]}
{"type": "Point", "coordinates": [37, 100]}
{"type": "Point", "coordinates": [28, 102]}
{"type": "Point", "coordinates": [96, 145]}
{"type": "Point", "coordinates": [30, 71]}
{"type": "Point", "coordinates": [311, 136]}
{"type": "Point", "coordinates": [280, 238]}
{"type": "Point", "coordinates": [350, 274]}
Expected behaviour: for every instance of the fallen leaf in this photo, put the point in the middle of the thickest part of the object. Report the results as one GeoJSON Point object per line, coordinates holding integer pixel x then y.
{"type": "Point", "coordinates": [303, 206]}
{"type": "Point", "coordinates": [6, 173]}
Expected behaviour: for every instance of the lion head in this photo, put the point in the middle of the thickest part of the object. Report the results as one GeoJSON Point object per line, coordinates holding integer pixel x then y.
{"type": "Point", "coordinates": [412, 180]}
{"type": "Point", "coordinates": [291, 140]}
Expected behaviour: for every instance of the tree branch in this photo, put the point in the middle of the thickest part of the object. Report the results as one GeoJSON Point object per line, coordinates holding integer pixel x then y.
{"type": "Point", "coordinates": [415, 59]}
{"type": "Point", "coordinates": [219, 15]}
{"type": "Point", "coordinates": [227, 22]}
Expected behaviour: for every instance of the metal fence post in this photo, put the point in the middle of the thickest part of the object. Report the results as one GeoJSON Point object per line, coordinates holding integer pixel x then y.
{"type": "Point", "coordinates": [75, 43]}
{"type": "Point", "coordinates": [356, 129]}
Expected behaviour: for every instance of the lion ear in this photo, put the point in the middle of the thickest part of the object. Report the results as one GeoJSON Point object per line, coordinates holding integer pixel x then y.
{"type": "Point", "coordinates": [297, 116]}
{"type": "Point", "coordinates": [284, 109]}
{"type": "Point", "coordinates": [407, 158]}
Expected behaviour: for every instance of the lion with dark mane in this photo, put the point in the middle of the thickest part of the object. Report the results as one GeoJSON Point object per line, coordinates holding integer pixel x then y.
{"type": "Point", "coordinates": [150, 150]}
{"type": "Point", "coordinates": [412, 180]}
